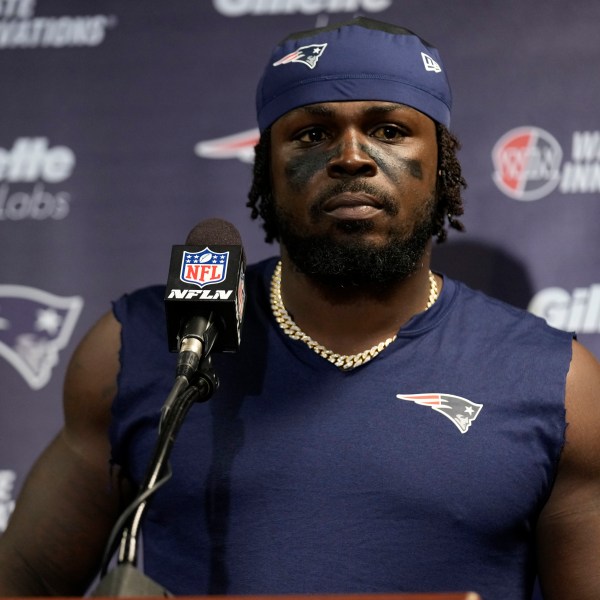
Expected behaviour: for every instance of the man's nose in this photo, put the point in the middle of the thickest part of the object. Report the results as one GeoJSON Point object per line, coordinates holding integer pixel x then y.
{"type": "Point", "coordinates": [352, 157]}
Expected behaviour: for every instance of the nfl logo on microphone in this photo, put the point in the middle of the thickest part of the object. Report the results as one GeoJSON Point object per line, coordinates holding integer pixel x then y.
{"type": "Point", "coordinates": [204, 268]}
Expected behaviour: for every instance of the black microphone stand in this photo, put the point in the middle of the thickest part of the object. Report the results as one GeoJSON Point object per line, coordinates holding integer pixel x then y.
{"type": "Point", "coordinates": [125, 579]}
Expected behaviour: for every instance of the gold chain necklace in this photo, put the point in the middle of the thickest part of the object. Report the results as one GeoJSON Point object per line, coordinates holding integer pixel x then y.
{"type": "Point", "coordinates": [344, 362]}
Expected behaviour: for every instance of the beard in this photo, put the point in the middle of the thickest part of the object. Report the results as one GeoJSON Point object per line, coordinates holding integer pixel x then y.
{"type": "Point", "coordinates": [347, 260]}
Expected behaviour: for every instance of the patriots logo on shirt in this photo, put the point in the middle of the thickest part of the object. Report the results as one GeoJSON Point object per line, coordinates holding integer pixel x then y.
{"type": "Point", "coordinates": [307, 55]}
{"type": "Point", "coordinates": [459, 410]}
{"type": "Point", "coordinates": [34, 326]}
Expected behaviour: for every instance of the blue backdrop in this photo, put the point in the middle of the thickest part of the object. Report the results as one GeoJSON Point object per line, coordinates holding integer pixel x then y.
{"type": "Point", "coordinates": [123, 124]}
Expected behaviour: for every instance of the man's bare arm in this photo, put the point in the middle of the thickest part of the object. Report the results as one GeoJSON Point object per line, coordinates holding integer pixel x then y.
{"type": "Point", "coordinates": [71, 498]}
{"type": "Point", "coordinates": [568, 533]}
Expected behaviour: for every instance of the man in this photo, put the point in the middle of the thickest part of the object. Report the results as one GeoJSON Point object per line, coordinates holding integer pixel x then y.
{"type": "Point", "coordinates": [324, 462]}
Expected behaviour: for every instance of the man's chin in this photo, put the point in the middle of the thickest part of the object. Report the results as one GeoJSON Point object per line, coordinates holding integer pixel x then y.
{"type": "Point", "coordinates": [354, 262]}
{"type": "Point", "coordinates": [354, 226]}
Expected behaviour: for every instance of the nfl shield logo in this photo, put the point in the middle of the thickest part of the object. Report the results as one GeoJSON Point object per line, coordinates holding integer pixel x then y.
{"type": "Point", "coordinates": [203, 268]}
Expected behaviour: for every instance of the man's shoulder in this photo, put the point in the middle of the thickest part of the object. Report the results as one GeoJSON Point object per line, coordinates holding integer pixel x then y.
{"type": "Point", "coordinates": [141, 302]}
{"type": "Point", "coordinates": [487, 311]}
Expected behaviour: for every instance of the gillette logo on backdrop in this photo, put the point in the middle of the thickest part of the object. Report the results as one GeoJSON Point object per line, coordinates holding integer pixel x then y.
{"type": "Point", "coordinates": [577, 310]}
{"type": "Point", "coordinates": [239, 8]}
{"type": "Point", "coordinates": [529, 164]}
{"type": "Point", "coordinates": [29, 168]}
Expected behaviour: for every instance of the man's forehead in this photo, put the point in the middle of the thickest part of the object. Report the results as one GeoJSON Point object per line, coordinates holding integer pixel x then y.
{"type": "Point", "coordinates": [363, 107]}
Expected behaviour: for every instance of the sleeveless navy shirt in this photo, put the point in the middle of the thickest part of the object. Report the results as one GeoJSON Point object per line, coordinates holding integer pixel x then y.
{"type": "Point", "coordinates": [423, 470]}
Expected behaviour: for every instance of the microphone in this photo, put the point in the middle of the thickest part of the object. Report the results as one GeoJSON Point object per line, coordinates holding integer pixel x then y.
{"type": "Point", "coordinates": [204, 306]}
{"type": "Point", "coordinates": [205, 294]}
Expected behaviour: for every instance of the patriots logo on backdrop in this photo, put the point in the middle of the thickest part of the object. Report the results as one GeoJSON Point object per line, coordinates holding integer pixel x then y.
{"type": "Point", "coordinates": [239, 145]}
{"type": "Point", "coordinates": [203, 268]}
{"type": "Point", "coordinates": [34, 326]}
{"type": "Point", "coordinates": [307, 55]}
{"type": "Point", "coordinates": [459, 410]}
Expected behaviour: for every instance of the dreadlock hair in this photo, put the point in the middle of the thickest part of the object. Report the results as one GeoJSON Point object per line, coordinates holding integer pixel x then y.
{"type": "Point", "coordinates": [448, 190]}
{"type": "Point", "coordinates": [260, 197]}
{"type": "Point", "coordinates": [450, 184]}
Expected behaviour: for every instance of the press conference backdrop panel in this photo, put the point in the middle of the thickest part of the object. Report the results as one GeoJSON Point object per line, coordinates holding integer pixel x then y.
{"type": "Point", "coordinates": [123, 124]}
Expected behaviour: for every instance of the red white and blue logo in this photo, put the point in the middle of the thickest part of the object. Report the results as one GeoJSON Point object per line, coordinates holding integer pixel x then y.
{"type": "Point", "coordinates": [307, 55]}
{"type": "Point", "coordinates": [204, 268]}
{"type": "Point", "coordinates": [527, 163]}
{"type": "Point", "coordinates": [459, 410]}
{"type": "Point", "coordinates": [239, 145]}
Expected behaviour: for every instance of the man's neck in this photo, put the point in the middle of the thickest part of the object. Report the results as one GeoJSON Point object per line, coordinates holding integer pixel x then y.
{"type": "Point", "coordinates": [350, 320]}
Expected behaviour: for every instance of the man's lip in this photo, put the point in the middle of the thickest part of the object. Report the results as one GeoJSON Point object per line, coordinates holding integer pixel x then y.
{"type": "Point", "coordinates": [350, 200]}
{"type": "Point", "coordinates": [352, 206]}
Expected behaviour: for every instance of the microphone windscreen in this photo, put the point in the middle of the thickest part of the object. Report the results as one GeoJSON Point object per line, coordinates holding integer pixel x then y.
{"type": "Point", "coordinates": [215, 232]}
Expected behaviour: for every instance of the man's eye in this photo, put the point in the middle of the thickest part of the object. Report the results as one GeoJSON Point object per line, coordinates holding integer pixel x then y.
{"type": "Point", "coordinates": [311, 136]}
{"type": "Point", "coordinates": [388, 132]}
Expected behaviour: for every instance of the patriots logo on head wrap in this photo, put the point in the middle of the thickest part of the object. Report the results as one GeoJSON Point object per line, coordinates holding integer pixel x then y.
{"type": "Point", "coordinates": [459, 410]}
{"type": "Point", "coordinates": [307, 55]}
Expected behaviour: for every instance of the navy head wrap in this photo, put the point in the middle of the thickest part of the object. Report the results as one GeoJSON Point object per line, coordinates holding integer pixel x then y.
{"type": "Point", "coordinates": [361, 59]}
